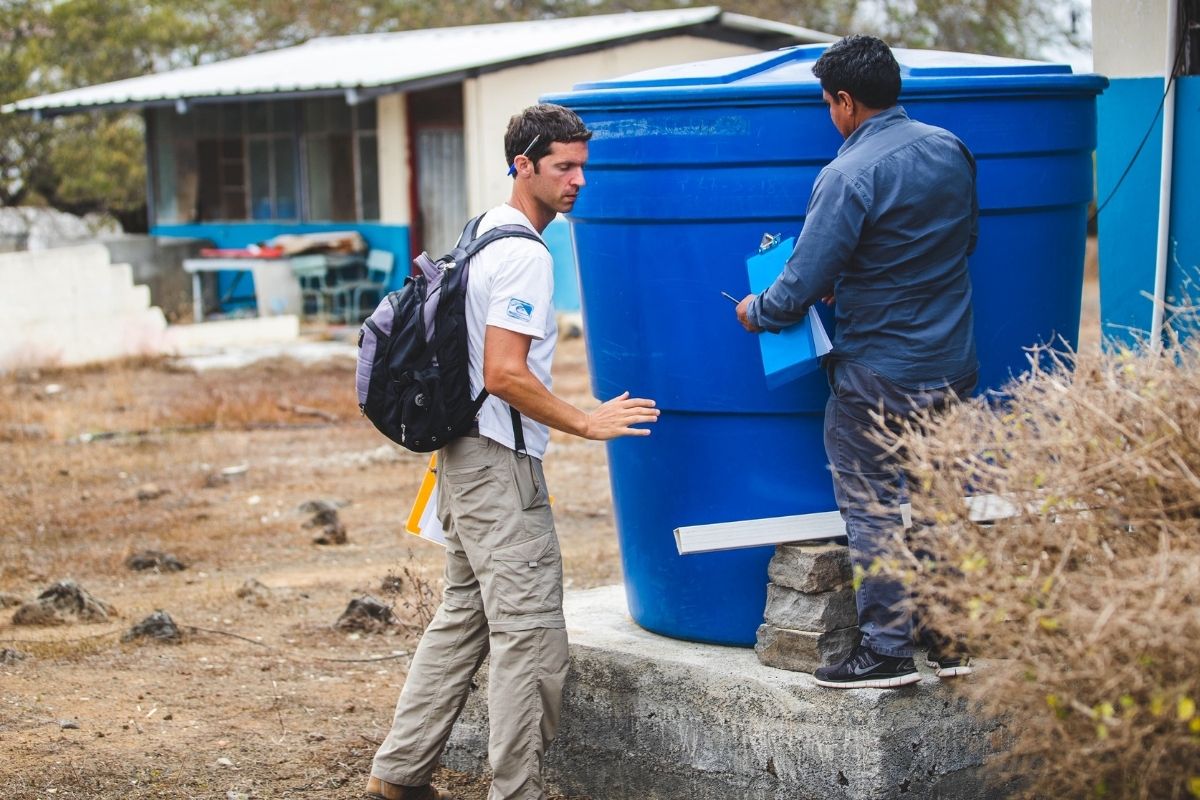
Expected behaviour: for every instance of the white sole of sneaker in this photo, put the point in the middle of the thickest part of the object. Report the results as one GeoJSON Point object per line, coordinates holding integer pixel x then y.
{"type": "Point", "coordinates": [871, 683]}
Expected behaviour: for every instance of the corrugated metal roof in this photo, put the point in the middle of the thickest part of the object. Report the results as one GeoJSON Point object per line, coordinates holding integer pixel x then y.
{"type": "Point", "coordinates": [372, 61]}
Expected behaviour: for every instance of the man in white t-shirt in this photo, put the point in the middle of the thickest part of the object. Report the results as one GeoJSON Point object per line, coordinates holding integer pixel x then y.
{"type": "Point", "coordinates": [503, 577]}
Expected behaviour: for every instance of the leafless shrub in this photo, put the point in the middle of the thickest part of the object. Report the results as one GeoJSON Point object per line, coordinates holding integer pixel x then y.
{"type": "Point", "coordinates": [1087, 601]}
{"type": "Point", "coordinates": [419, 600]}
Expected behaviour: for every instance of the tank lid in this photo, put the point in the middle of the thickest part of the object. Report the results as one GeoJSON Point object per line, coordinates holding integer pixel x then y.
{"type": "Point", "coordinates": [793, 65]}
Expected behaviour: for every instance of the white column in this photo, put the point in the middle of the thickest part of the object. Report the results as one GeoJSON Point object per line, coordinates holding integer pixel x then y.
{"type": "Point", "coordinates": [475, 133]}
{"type": "Point", "coordinates": [1127, 37]}
{"type": "Point", "coordinates": [394, 175]}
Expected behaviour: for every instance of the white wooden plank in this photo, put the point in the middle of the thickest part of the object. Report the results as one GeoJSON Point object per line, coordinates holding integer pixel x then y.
{"type": "Point", "coordinates": [717, 536]}
{"type": "Point", "coordinates": [990, 507]}
{"type": "Point", "coordinates": [758, 532]}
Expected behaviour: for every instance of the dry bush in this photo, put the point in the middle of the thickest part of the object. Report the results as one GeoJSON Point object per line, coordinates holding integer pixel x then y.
{"type": "Point", "coordinates": [229, 407]}
{"type": "Point", "coordinates": [60, 403]}
{"type": "Point", "coordinates": [1087, 602]}
{"type": "Point", "coordinates": [140, 394]}
{"type": "Point", "coordinates": [420, 599]}
{"type": "Point", "coordinates": [274, 393]}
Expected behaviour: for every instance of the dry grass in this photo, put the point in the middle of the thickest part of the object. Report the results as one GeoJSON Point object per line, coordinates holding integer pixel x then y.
{"type": "Point", "coordinates": [1088, 601]}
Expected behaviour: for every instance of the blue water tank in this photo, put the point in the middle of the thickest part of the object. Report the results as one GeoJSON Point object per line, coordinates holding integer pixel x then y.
{"type": "Point", "coordinates": [689, 166]}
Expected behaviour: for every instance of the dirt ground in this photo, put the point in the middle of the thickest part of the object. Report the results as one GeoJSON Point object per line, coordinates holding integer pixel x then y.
{"type": "Point", "coordinates": [263, 698]}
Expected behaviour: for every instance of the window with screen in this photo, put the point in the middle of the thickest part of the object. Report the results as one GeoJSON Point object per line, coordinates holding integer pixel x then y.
{"type": "Point", "coordinates": [341, 160]}
{"type": "Point", "coordinates": [265, 160]}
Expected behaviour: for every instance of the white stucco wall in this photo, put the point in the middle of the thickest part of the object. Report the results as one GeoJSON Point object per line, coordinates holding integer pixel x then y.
{"type": "Point", "coordinates": [394, 178]}
{"type": "Point", "coordinates": [97, 313]}
{"type": "Point", "coordinates": [1129, 37]}
{"type": "Point", "coordinates": [490, 100]}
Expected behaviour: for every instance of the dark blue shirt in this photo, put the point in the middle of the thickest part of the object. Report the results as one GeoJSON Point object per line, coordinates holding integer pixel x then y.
{"type": "Point", "coordinates": [889, 227]}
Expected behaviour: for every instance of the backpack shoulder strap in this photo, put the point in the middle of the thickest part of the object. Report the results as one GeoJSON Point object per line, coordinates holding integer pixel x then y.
{"type": "Point", "coordinates": [465, 252]}
{"type": "Point", "coordinates": [500, 232]}
{"type": "Point", "coordinates": [469, 231]}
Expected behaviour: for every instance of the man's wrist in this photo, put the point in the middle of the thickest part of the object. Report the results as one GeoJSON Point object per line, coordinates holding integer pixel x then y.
{"type": "Point", "coordinates": [754, 310]}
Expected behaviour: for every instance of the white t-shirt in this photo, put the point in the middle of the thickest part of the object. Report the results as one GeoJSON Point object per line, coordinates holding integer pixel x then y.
{"type": "Point", "coordinates": [511, 286]}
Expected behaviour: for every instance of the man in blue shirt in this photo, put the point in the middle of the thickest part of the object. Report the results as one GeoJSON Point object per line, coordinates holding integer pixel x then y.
{"type": "Point", "coordinates": [888, 229]}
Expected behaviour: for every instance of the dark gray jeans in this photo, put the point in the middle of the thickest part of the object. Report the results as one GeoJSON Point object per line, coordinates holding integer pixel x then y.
{"type": "Point", "coordinates": [864, 475]}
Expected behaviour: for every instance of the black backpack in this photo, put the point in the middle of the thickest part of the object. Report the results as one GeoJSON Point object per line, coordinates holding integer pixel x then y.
{"type": "Point", "coordinates": [413, 374]}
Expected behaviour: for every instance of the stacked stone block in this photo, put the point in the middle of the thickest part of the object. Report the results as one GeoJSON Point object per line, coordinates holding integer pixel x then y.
{"type": "Point", "coordinates": [810, 618]}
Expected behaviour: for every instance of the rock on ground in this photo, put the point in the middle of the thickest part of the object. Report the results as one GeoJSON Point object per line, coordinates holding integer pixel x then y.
{"type": "Point", "coordinates": [155, 560]}
{"type": "Point", "coordinates": [10, 656]}
{"type": "Point", "coordinates": [366, 615]}
{"type": "Point", "coordinates": [63, 603]}
{"type": "Point", "coordinates": [255, 591]}
{"type": "Point", "coordinates": [151, 491]}
{"type": "Point", "coordinates": [325, 516]}
{"type": "Point", "coordinates": [158, 626]}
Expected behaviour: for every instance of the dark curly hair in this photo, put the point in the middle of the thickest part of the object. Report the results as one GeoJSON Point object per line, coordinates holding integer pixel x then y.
{"type": "Point", "coordinates": [863, 67]}
{"type": "Point", "coordinates": [549, 123]}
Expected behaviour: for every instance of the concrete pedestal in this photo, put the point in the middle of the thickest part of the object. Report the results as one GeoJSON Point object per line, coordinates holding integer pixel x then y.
{"type": "Point", "coordinates": [651, 718]}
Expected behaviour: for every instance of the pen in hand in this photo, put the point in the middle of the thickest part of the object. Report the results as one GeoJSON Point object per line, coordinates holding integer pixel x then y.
{"type": "Point", "coordinates": [730, 298]}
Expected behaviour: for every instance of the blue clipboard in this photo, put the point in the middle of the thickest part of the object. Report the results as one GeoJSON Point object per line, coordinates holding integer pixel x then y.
{"type": "Point", "coordinates": [795, 351]}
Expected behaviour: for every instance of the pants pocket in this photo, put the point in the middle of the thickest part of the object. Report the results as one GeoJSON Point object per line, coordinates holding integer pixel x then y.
{"type": "Point", "coordinates": [530, 485]}
{"type": "Point", "coordinates": [471, 494]}
{"type": "Point", "coordinates": [528, 576]}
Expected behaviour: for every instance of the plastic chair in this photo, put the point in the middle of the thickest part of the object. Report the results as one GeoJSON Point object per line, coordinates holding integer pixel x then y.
{"type": "Point", "coordinates": [311, 273]}
{"type": "Point", "coordinates": [349, 296]}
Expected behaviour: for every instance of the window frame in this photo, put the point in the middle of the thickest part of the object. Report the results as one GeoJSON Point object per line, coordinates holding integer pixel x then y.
{"type": "Point", "coordinates": [295, 137]}
{"type": "Point", "coordinates": [355, 132]}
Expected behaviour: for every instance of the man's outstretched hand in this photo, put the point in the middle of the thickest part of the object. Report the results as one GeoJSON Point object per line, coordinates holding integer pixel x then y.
{"type": "Point", "coordinates": [614, 417]}
{"type": "Point", "coordinates": [742, 309]}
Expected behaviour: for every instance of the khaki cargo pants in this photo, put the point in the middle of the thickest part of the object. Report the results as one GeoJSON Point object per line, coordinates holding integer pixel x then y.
{"type": "Point", "coordinates": [503, 594]}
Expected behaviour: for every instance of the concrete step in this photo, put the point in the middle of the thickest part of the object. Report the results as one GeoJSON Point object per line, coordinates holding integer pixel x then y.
{"type": "Point", "coordinates": [207, 337]}
{"type": "Point", "coordinates": [40, 289]}
{"type": "Point", "coordinates": [31, 275]}
{"type": "Point", "coordinates": [71, 306]}
{"type": "Point", "coordinates": [82, 339]}
{"type": "Point", "coordinates": [56, 258]}
{"type": "Point", "coordinates": [651, 718]}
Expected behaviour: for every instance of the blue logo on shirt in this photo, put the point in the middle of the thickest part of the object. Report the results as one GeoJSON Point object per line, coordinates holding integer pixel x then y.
{"type": "Point", "coordinates": [519, 309]}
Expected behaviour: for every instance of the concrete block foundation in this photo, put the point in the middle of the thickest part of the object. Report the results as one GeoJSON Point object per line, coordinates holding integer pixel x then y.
{"type": "Point", "coordinates": [651, 718]}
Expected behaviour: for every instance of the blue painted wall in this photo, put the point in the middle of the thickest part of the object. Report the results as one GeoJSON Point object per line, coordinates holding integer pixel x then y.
{"type": "Point", "coordinates": [1128, 225]}
{"type": "Point", "coordinates": [379, 236]}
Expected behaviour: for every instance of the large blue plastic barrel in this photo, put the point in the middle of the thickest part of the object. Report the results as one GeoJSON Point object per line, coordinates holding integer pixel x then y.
{"type": "Point", "coordinates": [689, 166]}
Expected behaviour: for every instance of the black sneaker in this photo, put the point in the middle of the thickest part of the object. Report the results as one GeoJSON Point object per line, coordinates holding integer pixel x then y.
{"type": "Point", "coordinates": [864, 668]}
{"type": "Point", "coordinates": [948, 665]}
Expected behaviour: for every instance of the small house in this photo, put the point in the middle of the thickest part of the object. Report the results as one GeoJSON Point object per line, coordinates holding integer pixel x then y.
{"type": "Point", "coordinates": [397, 136]}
